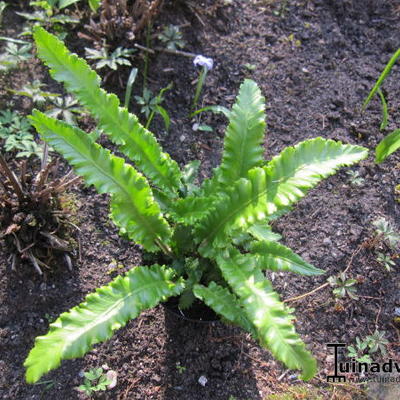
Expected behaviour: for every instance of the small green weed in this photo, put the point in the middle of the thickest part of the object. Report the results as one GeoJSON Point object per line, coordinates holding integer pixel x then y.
{"type": "Point", "coordinates": [371, 344]}
{"type": "Point", "coordinates": [377, 341]}
{"type": "Point", "coordinates": [385, 230]}
{"type": "Point", "coordinates": [16, 136]}
{"type": "Point", "coordinates": [343, 286]}
{"type": "Point", "coordinates": [65, 108]}
{"type": "Point", "coordinates": [180, 368]}
{"type": "Point", "coordinates": [355, 178]}
{"type": "Point", "coordinates": [386, 261]}
{"type": "Point", "coordinates": [103, 58]}
{"type": "Point", "coordinates": [150, 105]}
{"type": "Point", "coordinates": [358, 351]}
{"type": "Point", "coordinates": [46, 14]}
{"type": "Point", "coordinates": [171, 36]}
{"type": "Point", "coordinates": [95, 381]}
{"type": "Point", "coordinates": [14, 53]}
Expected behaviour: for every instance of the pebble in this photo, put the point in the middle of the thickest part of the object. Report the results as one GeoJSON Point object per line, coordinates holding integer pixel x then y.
{"type": "Point", "coordinates": [112, 376]}
{"type": "Point", "coordinates": [327, 241]}
{"type": "Point", "coordinates": [203, 380]}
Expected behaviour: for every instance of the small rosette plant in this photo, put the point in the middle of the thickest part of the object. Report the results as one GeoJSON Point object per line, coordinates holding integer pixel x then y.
{"type": "Point", "coordinates": [215, 238]}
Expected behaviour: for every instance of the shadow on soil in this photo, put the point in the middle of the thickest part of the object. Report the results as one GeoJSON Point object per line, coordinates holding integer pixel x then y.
{"type": "Point", "coordinates": [28, 305]}
{"type": "Point", "coordinates": [211, 353]}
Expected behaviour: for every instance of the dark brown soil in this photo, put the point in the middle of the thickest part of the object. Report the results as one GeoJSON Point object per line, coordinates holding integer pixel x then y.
{"type": "Point", "coordinates": [315, 61]}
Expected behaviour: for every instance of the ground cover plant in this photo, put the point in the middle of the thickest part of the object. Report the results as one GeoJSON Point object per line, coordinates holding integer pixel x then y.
{"type": "Point", "coordinates": [214, 239]}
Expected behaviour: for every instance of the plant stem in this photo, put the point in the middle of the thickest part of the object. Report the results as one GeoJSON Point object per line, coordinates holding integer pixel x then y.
{"type": "Point", "coordinates": [12, 178]}
{"type": "Point", "coordinates": [146, 57]}
{"type": "Point", "coordinates": [162, 50]}
{"type": "Point", "coordinates": [199, 87]}
{"type": "Point", "coordinates": [148, 122]}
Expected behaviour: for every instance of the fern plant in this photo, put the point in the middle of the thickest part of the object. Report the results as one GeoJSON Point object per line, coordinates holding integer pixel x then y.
{"type": "Point", "coordinates": [215, 238]}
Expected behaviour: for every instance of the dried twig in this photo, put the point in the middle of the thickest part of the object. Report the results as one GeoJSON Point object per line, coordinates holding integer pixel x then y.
{"type": "Point", "coordinates": [326, 283]}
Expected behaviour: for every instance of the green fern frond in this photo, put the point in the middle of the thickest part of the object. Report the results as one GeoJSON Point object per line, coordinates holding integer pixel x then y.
{"type": "Point", "coordinates": [270, 317]}
{"type": "Point", "coordinates": [274, 188]}
{"type": "Point", "coordinates": [243, 148]}
{"type": "Point", "coordinates": [191, 209]}
{"type": "Point", "coordinates": [133, 205]}
{"type": "Point", "coordinates": [224, 303]}
{"type": "Point", "coordinates": [263, 232]}
{"type": "Point", "coordinates": [75, 332]}
{"type": "Point", "coordinates": [277, 257]}
{"type": "Point", "coordinates": [123, 128]}
{"type": "Point", "coordinates": [297, 169]}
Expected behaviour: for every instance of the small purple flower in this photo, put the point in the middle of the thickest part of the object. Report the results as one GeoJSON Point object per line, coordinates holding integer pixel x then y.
{"type": "Point", "coordinates": [204, 62]}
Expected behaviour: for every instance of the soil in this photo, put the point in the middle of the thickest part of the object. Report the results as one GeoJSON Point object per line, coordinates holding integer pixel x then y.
{"type": "Point", "coordinates": [315, 61]}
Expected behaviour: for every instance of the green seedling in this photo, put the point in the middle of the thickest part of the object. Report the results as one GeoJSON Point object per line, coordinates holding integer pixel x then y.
{"type": "Point", "coordinates": [377, 341]}
{"type": "Point", "coordinates": [120, 56]}
{"type": "Point", "coordinates": [343, 286]}
{"type": "Point", "coordinates": [150, 105]}
{"type": "Point", "coordinates": [46, 14]}
{"type": "Point", "coordinates": [371, 344]}
{"type": "Point", "coordinates": [198, 126]}
{"type": "Point", "coordinates": [386, 261]}
{"type": "Point", "coordinates": [14, 53]}
{"type": "Point", "coordinates": [354, 178]}
{"type": "Point", "coordinates": [16, 135]}
{"type": "Point", "coordinates": [65, 108]}
{"type": "Point", "coordinates": [192, 238]}
{"type": "Point", "coordinates": [171, 36]}
{"type": "Point", "coordinates": [180, 368]}
{"type": "Point", "coordinates": [49, 318]}
{"type": "Point", "coordinates": [385, 230]}
{"type": "Point", "coordinates": [358, 351]}
{"type": "Point", "coordinates": [95, 381]}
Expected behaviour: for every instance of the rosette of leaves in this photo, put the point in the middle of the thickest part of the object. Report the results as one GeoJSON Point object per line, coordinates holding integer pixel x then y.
{"type": "Point", "coordinates": [32, 219]}
{"type": "Point", "coordinates": [214, 238]}
{"type": "Point", "coordinates": [103, 58]}
{"type": "Point", "coordinates": [171, 36]}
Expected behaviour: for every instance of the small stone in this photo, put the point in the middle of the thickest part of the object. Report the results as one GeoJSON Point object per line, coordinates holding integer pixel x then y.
{"type": "Point", "coordinates": [327, 241]}
{"type": "Point", "coordinates": [112, 376]}
{"type": "Point", "coordinates": [203, 380]}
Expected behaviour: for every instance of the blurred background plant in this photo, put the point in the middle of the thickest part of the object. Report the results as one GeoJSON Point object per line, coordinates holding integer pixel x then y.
{"type": "Point", "coordinates": [171, 36]}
